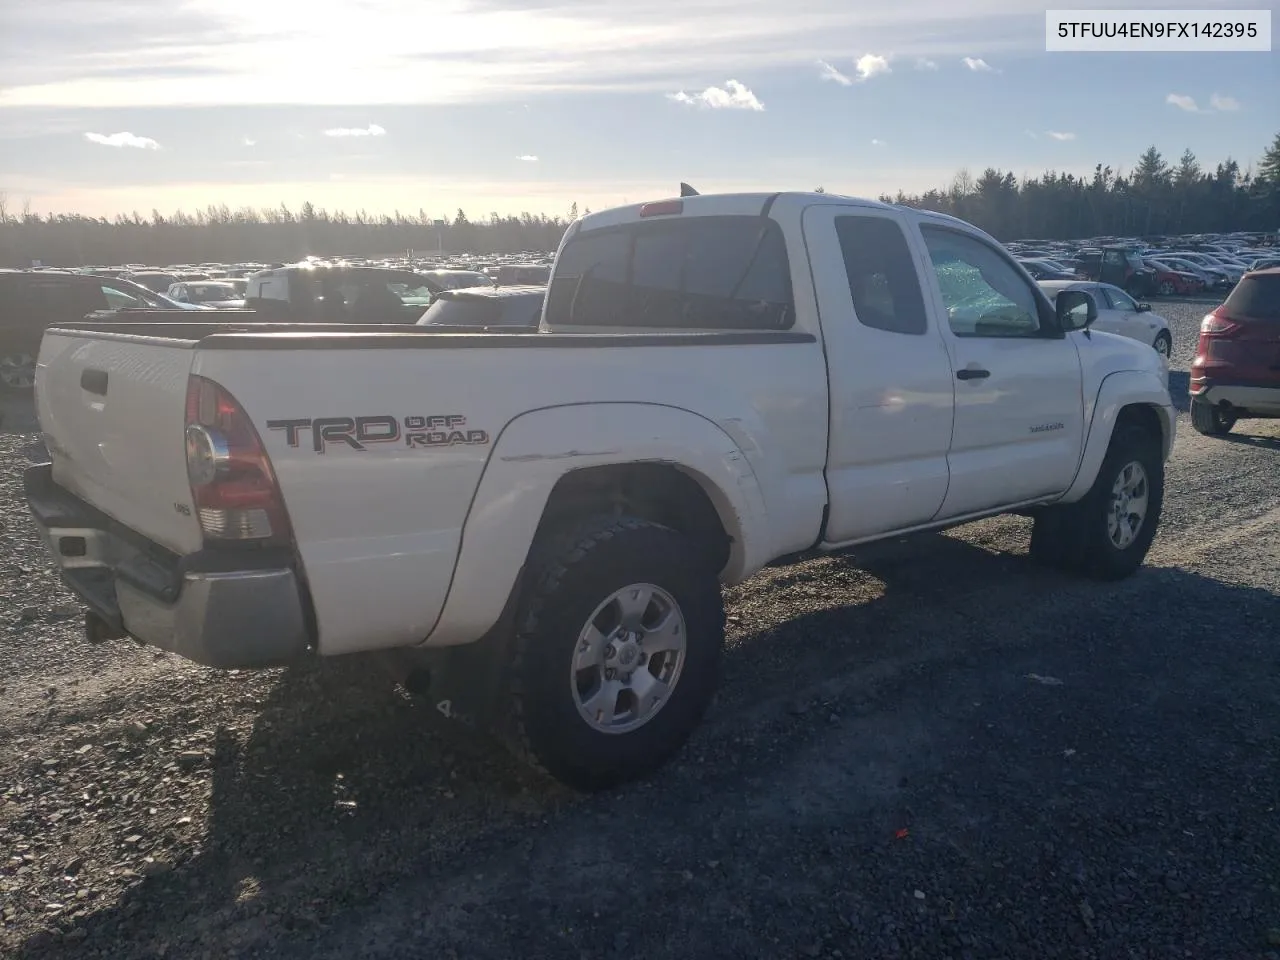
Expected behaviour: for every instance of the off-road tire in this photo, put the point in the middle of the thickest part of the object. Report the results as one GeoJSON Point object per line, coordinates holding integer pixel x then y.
{"type": "Point", "coordinates": [1073, 537]}
{"type": "Point", "coordinates": [569, 576]}
{"type": "Point", "coordinates": [1210, 419]}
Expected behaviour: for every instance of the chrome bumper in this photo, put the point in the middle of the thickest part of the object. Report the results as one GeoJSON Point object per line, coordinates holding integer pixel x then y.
{"type": "Point", "coordinates": [222, 610]}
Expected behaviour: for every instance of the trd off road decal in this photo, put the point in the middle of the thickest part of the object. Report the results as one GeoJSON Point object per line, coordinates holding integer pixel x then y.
{"type": "Point", "coordinates": [359, 433]}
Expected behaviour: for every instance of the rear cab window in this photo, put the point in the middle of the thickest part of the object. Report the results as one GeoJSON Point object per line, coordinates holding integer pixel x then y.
{"type": "Point", "coordinates": [883, 281]}
{"type": "Point", "coordinates": [714, 272]}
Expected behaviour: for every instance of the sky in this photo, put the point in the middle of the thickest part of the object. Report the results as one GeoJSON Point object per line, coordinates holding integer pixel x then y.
{"type": "Point", "coordinates": [110, 106]}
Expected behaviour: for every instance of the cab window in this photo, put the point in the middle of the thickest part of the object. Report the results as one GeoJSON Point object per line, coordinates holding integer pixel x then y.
{"type": "Point", "coordinates": [984, 295]}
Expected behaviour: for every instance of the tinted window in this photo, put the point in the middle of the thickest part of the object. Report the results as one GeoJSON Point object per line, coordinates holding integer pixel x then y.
{"type": "Point", "coordinates": [58, 302]}
{"type": "Point", "coordinates": [883, 281]}
{"type": "Point", "coordinates": [1256, 297]}
{"type": "Point", "coordinates": [983, 293]}
{"type": "Point", "coordinates": [1119, 300]}
{"type": "Point", "coordinates": [119, 300]}
{"type": "Point", "coordinates": [703, 272]}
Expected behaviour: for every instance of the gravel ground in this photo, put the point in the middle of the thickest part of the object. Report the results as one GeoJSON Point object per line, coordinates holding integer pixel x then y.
{"type": "Point", "coordinates": [928, 750]}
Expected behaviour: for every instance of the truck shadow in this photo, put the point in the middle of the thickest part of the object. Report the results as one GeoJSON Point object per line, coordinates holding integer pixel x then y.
{"type": "Point", "coordinates": [345, 795]}
{"type": "Point", "coordinates": [1180, 389]}
{"type": "Point", "coordinates": [18, 414]}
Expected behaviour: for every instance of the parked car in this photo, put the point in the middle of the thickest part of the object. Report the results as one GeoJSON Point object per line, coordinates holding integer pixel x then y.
{"type": "Point", "coordinates": [1046, 270]}
{"type": "Point", "coordinates": [1170, 281]}
{"type": "Point", "coordinates": [33, 300]}
{"type": "Point", "coordinates": [1265, 263]}
{"type": "Point", "coordinates": [309, 293]}
{"type": "Point", "coordinates": [1236, 371]}
{"type": "Point", "coordinates": [1119, 313]}
{"type": "Point", "coordinates": [1223, 275]}
{"type": "Point", "coordinates": [1120, 266]}
{"type": "Point", "coordinates": [439, 280]}
{"type": "Point", "coordinates": [154, 280]}
{"type": "Point", "coordinates": [522, 274]}
{"type": "Point", "coordinates": [537, 525]}
{"type": "Point", "coordinates": [505, 307]}
{"type": "Point", "coordinates": [219, 294]}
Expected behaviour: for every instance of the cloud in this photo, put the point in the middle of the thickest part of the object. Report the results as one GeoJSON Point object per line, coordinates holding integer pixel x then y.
{"type": "Point", "coordinates": [221, 53]}
{"type": "Point", "coordinates": [122, 140]}
{"type": "Point", "coordinates": [869, 65]}
{"type": "Point", "coordinates": [1182, 102]}
{"type": "Point", "coordinates": [1224, 104]}
{"type": "Point", "coordinates": [877, 143]}
{"type": "Point", "coordinates": [732, 96]}
{"type": "Point", "coordinates": [1033, 135]}
{"type": "Point", "coordinates": [828, 72]}
{"type": "Point", "coordinates": [977, 65]}
{"type": "Point", "coordinates": [1060, 136]}
{"type": "Point", "coordinates": [924, 63]}
{"type": "Point", "coordinates": [248, 142]}
{"type": "Point", "coordinates": [527, 158]}
{"type": "Point", "coordinates": [372, 130]}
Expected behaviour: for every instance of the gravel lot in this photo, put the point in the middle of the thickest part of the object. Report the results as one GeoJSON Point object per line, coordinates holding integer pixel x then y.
{"type": "Point", "coordinates": [934, 750]}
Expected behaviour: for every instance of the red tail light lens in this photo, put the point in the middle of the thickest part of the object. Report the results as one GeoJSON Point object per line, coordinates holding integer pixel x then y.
{"type": "Point", "coordinates": [232, 482]}
{"type": "Point", "coordinates": [1221, 326]}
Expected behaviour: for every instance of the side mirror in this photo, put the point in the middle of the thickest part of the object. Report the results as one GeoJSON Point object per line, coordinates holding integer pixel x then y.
{"type": "Point", "coordinates": [1144, 308]}
{"type": "Point", "coordinates": [1075, 310]}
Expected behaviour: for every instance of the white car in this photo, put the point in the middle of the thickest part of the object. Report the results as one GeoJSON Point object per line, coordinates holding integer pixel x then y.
{"type": "Point", "coordinates": [538, 524]}
{"type": "Point", "coordinates": [1119, 313]}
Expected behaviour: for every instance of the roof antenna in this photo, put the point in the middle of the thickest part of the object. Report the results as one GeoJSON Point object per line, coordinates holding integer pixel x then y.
{"type": "Point", "coordinates": [687, 191]}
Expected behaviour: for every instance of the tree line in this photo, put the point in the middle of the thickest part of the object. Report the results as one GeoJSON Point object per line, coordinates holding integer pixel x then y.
{"type": "Point", "coordinates": [1155, 197]}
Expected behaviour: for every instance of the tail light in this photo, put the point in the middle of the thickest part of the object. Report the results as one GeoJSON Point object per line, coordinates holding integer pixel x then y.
{"type": "Point", "coordinates": [1218, 325]}
{"type": "Point", "coordinates": [232, 484]}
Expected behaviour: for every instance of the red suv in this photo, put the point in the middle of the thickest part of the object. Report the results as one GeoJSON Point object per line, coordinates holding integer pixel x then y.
{"type": "Point", "coordinates": [1236, 372]}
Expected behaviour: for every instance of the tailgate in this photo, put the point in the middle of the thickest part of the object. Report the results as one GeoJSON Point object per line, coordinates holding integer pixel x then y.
{"type": "Point", "coordinates": [113, 412]}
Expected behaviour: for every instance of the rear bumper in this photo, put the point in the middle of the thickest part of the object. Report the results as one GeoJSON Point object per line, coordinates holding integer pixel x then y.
{"type": "Point", "coordinates": [228, 609]}
{"type": "Point", "coordinates": [1259, 398]}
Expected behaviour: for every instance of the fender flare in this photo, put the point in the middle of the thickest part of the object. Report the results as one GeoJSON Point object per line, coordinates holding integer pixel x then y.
{"type": "Point", "coordinates": [1116, 391]}
{"type": "Point", "coordinates": [523, 469]}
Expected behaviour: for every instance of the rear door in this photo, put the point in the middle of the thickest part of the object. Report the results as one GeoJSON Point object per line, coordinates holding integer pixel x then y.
{"type": "Point", "coordinates": [113, 416]}
{"type": "Point", "coordinates": [891, 385]}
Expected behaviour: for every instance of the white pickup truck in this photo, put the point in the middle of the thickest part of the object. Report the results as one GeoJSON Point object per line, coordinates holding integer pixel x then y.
{"type": "Point", "coordinates": [719, 382]}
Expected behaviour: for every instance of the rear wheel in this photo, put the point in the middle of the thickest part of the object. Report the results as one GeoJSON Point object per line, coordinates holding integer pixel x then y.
{"type": "Point", "coordinates": [1106, 535]}
{"type": "Point", "coordinates": [17, 371]}
{"type": "Point", "coordinates": [618, 651]}
{"type": "Point", "coordinates": [1211, 419]}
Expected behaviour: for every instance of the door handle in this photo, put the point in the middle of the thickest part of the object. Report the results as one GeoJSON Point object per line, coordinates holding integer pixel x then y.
{"type": "Point", "coordinates": [94, 381]}
{"type": "Point", "coordinates": [972, 373]}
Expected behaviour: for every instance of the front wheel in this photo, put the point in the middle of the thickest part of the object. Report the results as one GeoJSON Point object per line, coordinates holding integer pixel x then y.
{"type": "Point", "coordinates": [1106, 535]}
{"type": "Point", "coordinates": [617, 653]}
{"type": "Point", "coordinates": [1164, 344]}
{"type": "Point", "coordinates": [1166, 288]}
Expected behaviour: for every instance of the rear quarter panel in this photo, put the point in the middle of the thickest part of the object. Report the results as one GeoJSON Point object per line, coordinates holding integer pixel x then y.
{"type": "Point", "coordinates": [379, 530]}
